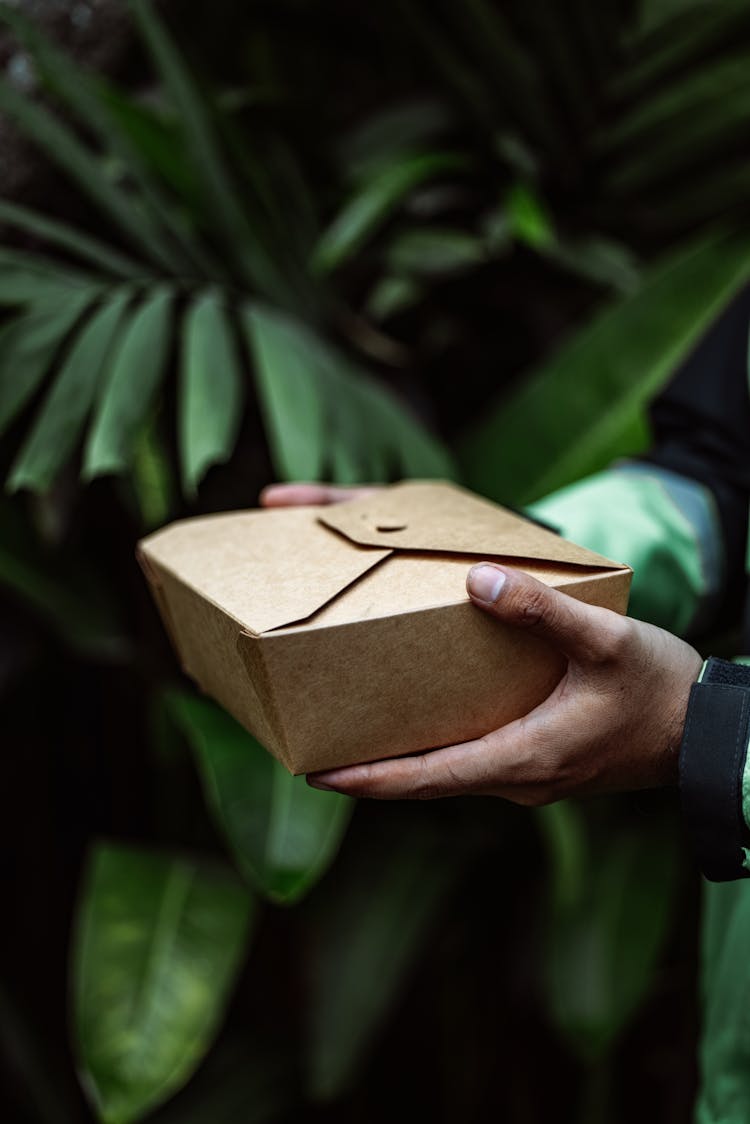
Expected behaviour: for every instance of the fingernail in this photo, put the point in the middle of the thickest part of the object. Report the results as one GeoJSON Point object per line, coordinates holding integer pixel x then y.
{"type": "Point", "coordinates": [485, 582]}
{"type": "Point", "coordinates": [316, 782]}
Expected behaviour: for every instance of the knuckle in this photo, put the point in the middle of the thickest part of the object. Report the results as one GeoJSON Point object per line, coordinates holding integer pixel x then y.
{"type": "Point", "coordinates": [421, 784]}
{"type": "Point", "coordinates": [614, 641]}
{"type": "Point", "coordinates": [534, 606]}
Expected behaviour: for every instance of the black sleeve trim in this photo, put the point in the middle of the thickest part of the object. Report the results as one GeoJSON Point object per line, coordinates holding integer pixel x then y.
{"type": "Point", "coordinates": [712, 763]}
{"type": "Point", "coordinates": [701, 425]}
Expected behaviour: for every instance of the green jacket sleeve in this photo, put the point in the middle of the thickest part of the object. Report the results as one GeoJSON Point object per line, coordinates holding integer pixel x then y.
{"type": "Point", "coordinates": [664, 525]}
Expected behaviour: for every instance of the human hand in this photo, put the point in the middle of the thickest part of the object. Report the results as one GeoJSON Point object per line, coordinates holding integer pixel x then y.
{"type": "Point", "coordinates": [613, 723]}
{"type": "Point", "coordinates": [303, 495]}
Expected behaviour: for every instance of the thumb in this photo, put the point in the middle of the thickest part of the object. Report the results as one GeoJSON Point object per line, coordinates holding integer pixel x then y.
{"type": "Point", "coordinates": [580, 631]}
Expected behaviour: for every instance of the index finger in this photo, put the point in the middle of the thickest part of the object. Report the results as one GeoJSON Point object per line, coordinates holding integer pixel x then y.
{"type": "Point", "coordinates": [305, 495]}
{"type": "Point", "coordinates": [484, 765]}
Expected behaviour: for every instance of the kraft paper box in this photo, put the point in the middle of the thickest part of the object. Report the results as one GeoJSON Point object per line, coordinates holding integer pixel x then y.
{"type": "Point", "coordinates": [344, 634]}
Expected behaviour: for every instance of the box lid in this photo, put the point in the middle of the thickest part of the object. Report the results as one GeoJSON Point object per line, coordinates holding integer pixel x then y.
{"type": "Point", "coordinates": [275, 568]}
{"type": "Point", "coordinates": [436, 516]}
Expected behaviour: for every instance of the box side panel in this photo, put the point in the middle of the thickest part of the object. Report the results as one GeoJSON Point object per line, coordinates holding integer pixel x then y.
{"type": "Point", "coordinates": [396, 685]}
{"type": "Point", "coordinates": [206, 640]}
{"type": "Point", "coordinates": [609, 590]}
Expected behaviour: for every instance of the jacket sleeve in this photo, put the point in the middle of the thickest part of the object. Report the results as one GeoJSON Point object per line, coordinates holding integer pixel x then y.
{"type": "Point", "coordinates": [679, 517]}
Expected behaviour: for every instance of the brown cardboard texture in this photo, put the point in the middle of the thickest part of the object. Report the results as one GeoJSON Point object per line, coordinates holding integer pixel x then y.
{"type": "Point", "coordinates": [344, 634]}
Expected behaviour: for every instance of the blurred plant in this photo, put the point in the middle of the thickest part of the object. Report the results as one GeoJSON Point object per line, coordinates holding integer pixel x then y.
{"type": "Point", "coordinates": [208, 230]}
{"type": "Point", "coordinates": [597, 154]}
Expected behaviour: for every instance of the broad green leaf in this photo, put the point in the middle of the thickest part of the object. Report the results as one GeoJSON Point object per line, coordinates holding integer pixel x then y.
{"type": "Point", "coordinates": [129, 386]}
{"type": "Point", "coordinates": [375, 201]}
{"type": "Point", "coordinates": [283, 834]}
{"type": "Point", "coordinates": [413, 451]}
{"type": "Point", "coordinates": [392, 435]}
{"type": "Point", "coordinates": [83, 167]}
{"type": "Point", "coordinates": [571, 416]}
{"type": "Point", "coordinates": [370, 923]}
{"type": "Point", "coordinates": [28, 346]}
{"type": "Point", "coordinates": [60, 420]}
{"type": "Point", "coordinates": [290, 387]}
{"type": "Point", "coordinates": [364, 432]}
{"type": "Point", "coordinates": [159, 943]}
{"type": "Point", "coordinates": [606, 927]}
{"type": "Point", "coordinates": [31, 279]}
{"type": "Point", "coordinates": [66, 237]}
{"type": "Point", "coordinates": [211, 389]}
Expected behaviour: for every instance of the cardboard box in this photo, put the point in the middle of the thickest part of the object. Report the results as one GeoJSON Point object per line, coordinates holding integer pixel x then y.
{"type": "Point", "coordinates": [344, 634]}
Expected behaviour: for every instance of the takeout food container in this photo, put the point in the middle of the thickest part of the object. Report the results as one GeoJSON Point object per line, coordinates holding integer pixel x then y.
{"type": "Point", "coordinates": [344, 634]}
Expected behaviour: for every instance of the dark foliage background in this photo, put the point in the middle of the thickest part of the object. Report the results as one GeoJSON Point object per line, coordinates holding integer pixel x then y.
{"type": "Point", "coordinates": [421, 239]}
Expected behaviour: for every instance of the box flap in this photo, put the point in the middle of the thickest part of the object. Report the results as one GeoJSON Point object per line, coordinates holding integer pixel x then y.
{"type": "Point", "coordinates": [265, 568]}
{"type": "Point", "coordinates": [437, 516]}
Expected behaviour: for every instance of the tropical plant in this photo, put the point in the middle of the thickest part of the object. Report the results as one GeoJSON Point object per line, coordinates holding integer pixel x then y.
{"type": "Point", "coordinates": [531, 176]}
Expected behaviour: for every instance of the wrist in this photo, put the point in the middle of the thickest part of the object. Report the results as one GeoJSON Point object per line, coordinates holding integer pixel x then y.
{"type": "Point", "coordinates": [713, 754]}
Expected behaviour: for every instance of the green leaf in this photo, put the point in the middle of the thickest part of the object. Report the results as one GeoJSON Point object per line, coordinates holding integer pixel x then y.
{"type": "Point", "coordinates": [152, 476]}
{"type": "Point", "coordinates": [211, 389]}
{"type": "Point", "coordinates": [87, 96]}
{"type": "Point", "coordinates": [31, 279]}
{"type": "Point", "coordinates": [288, 378]}
{"type": "Point", "coordinates": [391, 295]}
{"type": "Point", "coordinates": [434, 251]}
{"type": "Point", "coordinates": [571, 416]}
{"type": "Point", "coordinates": [604, 934]}
{"type": "Point", "coordinates": [392, 435]}
{"type": "Point", "coordinates": [159, 943]}
{"type": "Point", "coordinates": [66, 237]}
{"type": "Point", "coordinates": [202, 142]}
{"type": "Point", "coordinates": [319, 408]}
{"type": "Point", "coordinates": [371, 921]}
{"type": "Point", "coordinates": [375, 201]}
{"type": "Point", "coordinates": [59, 422]}
{"type": "Point", "coordinates": [712, 130]}
{"type": "Point", "coordinates": [283, 834]}
{"type": "Point", "coordinates": [599, 260]}
{"type": "Point", "coordinates": [528, 218]}
{"type": "Point", "coordinates": [29, 344]}
{"type": "Point", "coordinates": [400, 129]}
{"type": "Point", "coordinates": [128, 389]}
{"type": "Point", "coordinates": [85, 169]}
{"type": "Point", "coordinates": [675, 106]}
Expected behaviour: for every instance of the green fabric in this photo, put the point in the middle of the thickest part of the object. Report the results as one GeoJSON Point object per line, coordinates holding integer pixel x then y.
{"type": "Point", "coordinates": [637, 517]}
{"type": "Point", "coordinates": [629, 515]}
{"type": "Point", "coordinates": [724, 1096]}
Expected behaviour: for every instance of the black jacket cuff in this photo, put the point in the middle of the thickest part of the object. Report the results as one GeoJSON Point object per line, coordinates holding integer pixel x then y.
{"type": "Point", "coordinates": [712, 764]}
